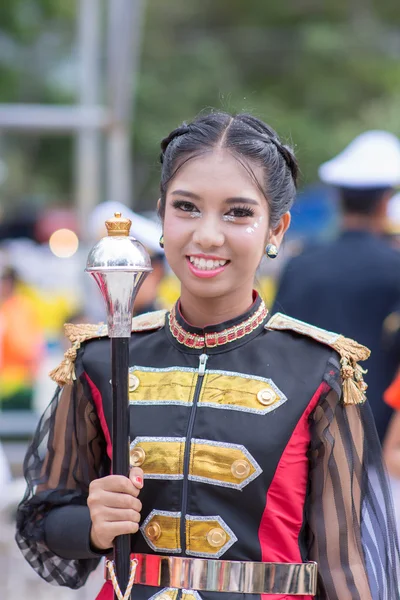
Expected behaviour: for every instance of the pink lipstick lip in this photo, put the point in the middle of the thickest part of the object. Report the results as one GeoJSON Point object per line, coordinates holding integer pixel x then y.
{"type": "Point", "coordinates": [205, 274]}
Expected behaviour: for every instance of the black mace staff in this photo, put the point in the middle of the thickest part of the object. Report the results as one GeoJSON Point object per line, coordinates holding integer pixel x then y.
{"type": "Point", "coordinates": [119, 264]}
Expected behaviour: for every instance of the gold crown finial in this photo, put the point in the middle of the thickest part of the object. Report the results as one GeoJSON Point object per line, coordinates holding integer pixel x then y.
{"type": "Point", "coordinates": [118, 225]}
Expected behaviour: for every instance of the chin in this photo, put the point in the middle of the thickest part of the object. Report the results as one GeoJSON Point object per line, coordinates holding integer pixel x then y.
{"type": "Point", "coordinates": [207, 289]}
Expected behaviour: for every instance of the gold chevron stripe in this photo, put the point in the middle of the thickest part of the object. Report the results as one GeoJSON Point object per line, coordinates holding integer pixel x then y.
{"type": "Point", "coordinates": [224, 464]}
{"type": "Point", "coordinates": [158, 458]}
{"type": "Point", "coordinates": [158, 385]}
{"type": "Point", "coordinates": [236, 392]}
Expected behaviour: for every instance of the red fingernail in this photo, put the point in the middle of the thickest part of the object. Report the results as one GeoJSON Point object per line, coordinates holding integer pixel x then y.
{"type": "Point", "coordinates": [139, 480]}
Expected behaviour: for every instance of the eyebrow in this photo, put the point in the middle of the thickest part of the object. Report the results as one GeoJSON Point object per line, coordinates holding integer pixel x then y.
{"type": "Point", "coordinates": [186, 194]}
{"type": "Point", "coordinates": [241, 199]}
{"type": "Point", "coordinates": [233, 200]}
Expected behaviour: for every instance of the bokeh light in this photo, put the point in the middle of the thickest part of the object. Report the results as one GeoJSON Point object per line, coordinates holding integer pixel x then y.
{"type": "Point", "coordinates": [63, 243]}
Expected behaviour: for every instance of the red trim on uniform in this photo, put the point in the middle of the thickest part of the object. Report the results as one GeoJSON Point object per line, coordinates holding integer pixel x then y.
{"type": "Point", "coordinates": [106, 592]}
{"type": "Point", "coordinates": [97, 399]}
{"type": "Point", "coordinates": [283, 514]}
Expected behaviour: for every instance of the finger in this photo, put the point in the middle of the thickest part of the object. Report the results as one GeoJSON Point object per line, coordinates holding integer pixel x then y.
{"type": "Point", "coordinates": [117, 483]}
{"type": "Point", "coordinates": [120, 528]}
{"type": "Point", "coordinates": [136, 475]}
{"type": "Point", "coordinates": [113, 515]}
{"type": "Point", "coordinates": [122, 501]}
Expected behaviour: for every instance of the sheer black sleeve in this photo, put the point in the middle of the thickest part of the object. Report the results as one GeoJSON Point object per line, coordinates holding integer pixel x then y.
{"type": "Point", "coordinates": [53, 520]}
{"type": "Point", "coordinates": [353, 536]}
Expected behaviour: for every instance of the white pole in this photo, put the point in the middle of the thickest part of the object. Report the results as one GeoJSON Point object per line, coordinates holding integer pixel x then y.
{"type": "Point", "coordinates": [88, 153]}
{"type": "Point", "coordinates": [124, 40]}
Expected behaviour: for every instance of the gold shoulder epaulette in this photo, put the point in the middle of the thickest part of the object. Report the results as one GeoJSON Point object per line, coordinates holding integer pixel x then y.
{"type": "Point", "coordinates": [77, 334]}
{"type": "Point", "coordinates": [350, 352]}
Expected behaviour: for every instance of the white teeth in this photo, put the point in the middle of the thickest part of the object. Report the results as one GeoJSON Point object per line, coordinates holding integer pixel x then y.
{"type": "Point", "coordinates": [206, 265]}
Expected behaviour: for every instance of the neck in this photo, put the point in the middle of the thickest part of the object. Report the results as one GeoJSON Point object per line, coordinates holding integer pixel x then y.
{"type": "Point", "coordinates": [370, 223]}
{"type": "Point", "coordinates": [201, 312]}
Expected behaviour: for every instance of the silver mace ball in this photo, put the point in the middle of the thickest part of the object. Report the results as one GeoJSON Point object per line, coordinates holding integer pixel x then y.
{"type": "Point", "coordinates": [119, 264]}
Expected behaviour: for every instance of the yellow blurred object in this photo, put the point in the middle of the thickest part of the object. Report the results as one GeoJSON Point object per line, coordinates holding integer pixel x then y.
{"type": "Point", "coordinates": [52, 310]}
{"type": "Point", "coordinates": [169, 291]}
{"type": "Point", "coordinates": [266, 287]}
{"type": "Point", "coordinates": [21, 343]}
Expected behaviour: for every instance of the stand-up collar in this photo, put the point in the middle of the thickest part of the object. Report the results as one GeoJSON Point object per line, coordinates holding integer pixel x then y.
{"type": "Point", "coordinates": [221, 337]}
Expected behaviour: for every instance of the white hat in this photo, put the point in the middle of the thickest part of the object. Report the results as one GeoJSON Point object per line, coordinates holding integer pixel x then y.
{"type": "Point", "coordinates": [372, 160]}
{"type": "Point", "coordinates": [144, 230]}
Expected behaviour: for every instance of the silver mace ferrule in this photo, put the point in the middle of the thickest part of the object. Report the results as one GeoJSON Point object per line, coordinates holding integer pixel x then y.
{"type": "Point", "coordinates": [119, 264]}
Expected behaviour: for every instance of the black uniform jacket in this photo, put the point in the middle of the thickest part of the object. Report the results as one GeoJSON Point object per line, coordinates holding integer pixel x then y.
{"type": "Point", "coordinates": [350, 285]}
{"type": "Point", "coordinates": [247, 449]}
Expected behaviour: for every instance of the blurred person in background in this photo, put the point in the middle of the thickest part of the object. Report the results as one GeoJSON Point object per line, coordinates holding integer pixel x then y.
{"type": "Point", "coordinates": [352, 284]}
{"type": "Point", "coordinates": [393, 221]}
{"type": "Point", "coordinates": [21, 343]}
{"type": "Point", "coordinates": [147, 298]}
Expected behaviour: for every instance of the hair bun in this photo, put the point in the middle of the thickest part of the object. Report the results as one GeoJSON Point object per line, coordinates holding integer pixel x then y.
{"type": "Point", "coordinates": [288, 156]}
{"type": "Point", "coordinates": [178, 132]}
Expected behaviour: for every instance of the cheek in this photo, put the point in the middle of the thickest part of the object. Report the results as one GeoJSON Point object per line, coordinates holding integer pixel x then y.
{"type": "Point", "coordinates": [249, 243]}
{"type": "Point", "coordinates": [174, 228]}
{"type": "Point", "coordinates": [177, 233]}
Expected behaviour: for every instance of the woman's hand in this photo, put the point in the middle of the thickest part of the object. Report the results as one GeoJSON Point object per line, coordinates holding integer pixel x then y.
{"type": "Point", "coordinates": [114, 507]}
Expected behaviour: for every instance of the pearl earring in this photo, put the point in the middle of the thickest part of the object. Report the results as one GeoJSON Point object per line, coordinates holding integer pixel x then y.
{"type": "Point", "coordinates": [271, 251]}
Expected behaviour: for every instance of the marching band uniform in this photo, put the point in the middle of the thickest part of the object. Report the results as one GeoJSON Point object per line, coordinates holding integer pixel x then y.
{"type": "Point", "coordinates": [256, 446]}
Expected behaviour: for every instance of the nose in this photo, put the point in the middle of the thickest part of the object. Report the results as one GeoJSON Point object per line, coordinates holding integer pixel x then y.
{"type": "Point", "coordinates": [208, 234]}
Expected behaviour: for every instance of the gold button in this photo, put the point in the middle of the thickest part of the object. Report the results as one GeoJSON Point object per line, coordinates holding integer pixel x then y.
{"type": "Point", "coordinates": [240, 469]}
{"type": "Point", "coordinates": [133, 382]}
{"type": "Point", "coordinates": [153, 531]}
{"type": "Point", "coordinates": [266, 396]}
{"type": "Point", "coordinates": [216, 537]}
{"type": "Point", "coordinates": [138, 456]}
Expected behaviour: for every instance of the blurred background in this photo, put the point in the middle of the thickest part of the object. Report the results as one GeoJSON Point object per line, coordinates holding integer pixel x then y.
{"type": "Point", "coordinates": [88, 88]}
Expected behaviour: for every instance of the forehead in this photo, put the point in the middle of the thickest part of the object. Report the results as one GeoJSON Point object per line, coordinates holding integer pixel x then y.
{"type": "Point", "coordinates": [219, 173]}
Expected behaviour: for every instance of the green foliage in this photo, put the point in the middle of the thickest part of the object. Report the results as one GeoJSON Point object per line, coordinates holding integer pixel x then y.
{"type": "Point", "coordinates": [318, 72]}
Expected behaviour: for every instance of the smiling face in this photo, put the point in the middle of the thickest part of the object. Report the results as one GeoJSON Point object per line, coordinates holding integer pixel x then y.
{"type": "Point", "coordinates": [216, 226]}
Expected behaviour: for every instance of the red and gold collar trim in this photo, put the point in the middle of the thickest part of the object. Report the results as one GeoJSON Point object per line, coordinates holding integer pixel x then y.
{"type": "Point", "coordinates": [218, 338]}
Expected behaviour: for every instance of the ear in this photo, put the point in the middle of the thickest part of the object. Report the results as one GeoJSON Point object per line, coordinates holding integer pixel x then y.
{"type": "Point", "coordinates": [158, 205]}
{"type": "Point", "coordinates": [276, 235]}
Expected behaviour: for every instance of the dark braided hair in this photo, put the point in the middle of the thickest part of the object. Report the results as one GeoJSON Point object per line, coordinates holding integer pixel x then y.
{"type": "Point", "coordinates": [250, 140]}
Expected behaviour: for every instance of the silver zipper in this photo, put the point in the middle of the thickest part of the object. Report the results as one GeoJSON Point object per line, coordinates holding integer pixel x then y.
{"type": "Point", "coordinates": [202, 364]}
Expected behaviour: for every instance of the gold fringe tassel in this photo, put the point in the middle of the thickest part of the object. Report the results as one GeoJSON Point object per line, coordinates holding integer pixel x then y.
{"type": "Point", "coordinates": [65, 372]}
{"type": "Point", "coordinates": [354, 386]}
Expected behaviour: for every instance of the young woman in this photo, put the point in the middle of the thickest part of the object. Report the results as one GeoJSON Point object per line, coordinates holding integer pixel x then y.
{"type": "Point", "coordinates": [251, 440]}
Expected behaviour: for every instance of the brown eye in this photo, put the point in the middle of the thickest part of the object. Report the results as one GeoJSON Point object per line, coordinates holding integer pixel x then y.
{"type": "Point", "coordinates": [185, 206]}
{"type": "Point", "coordinates": [241, 211]}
